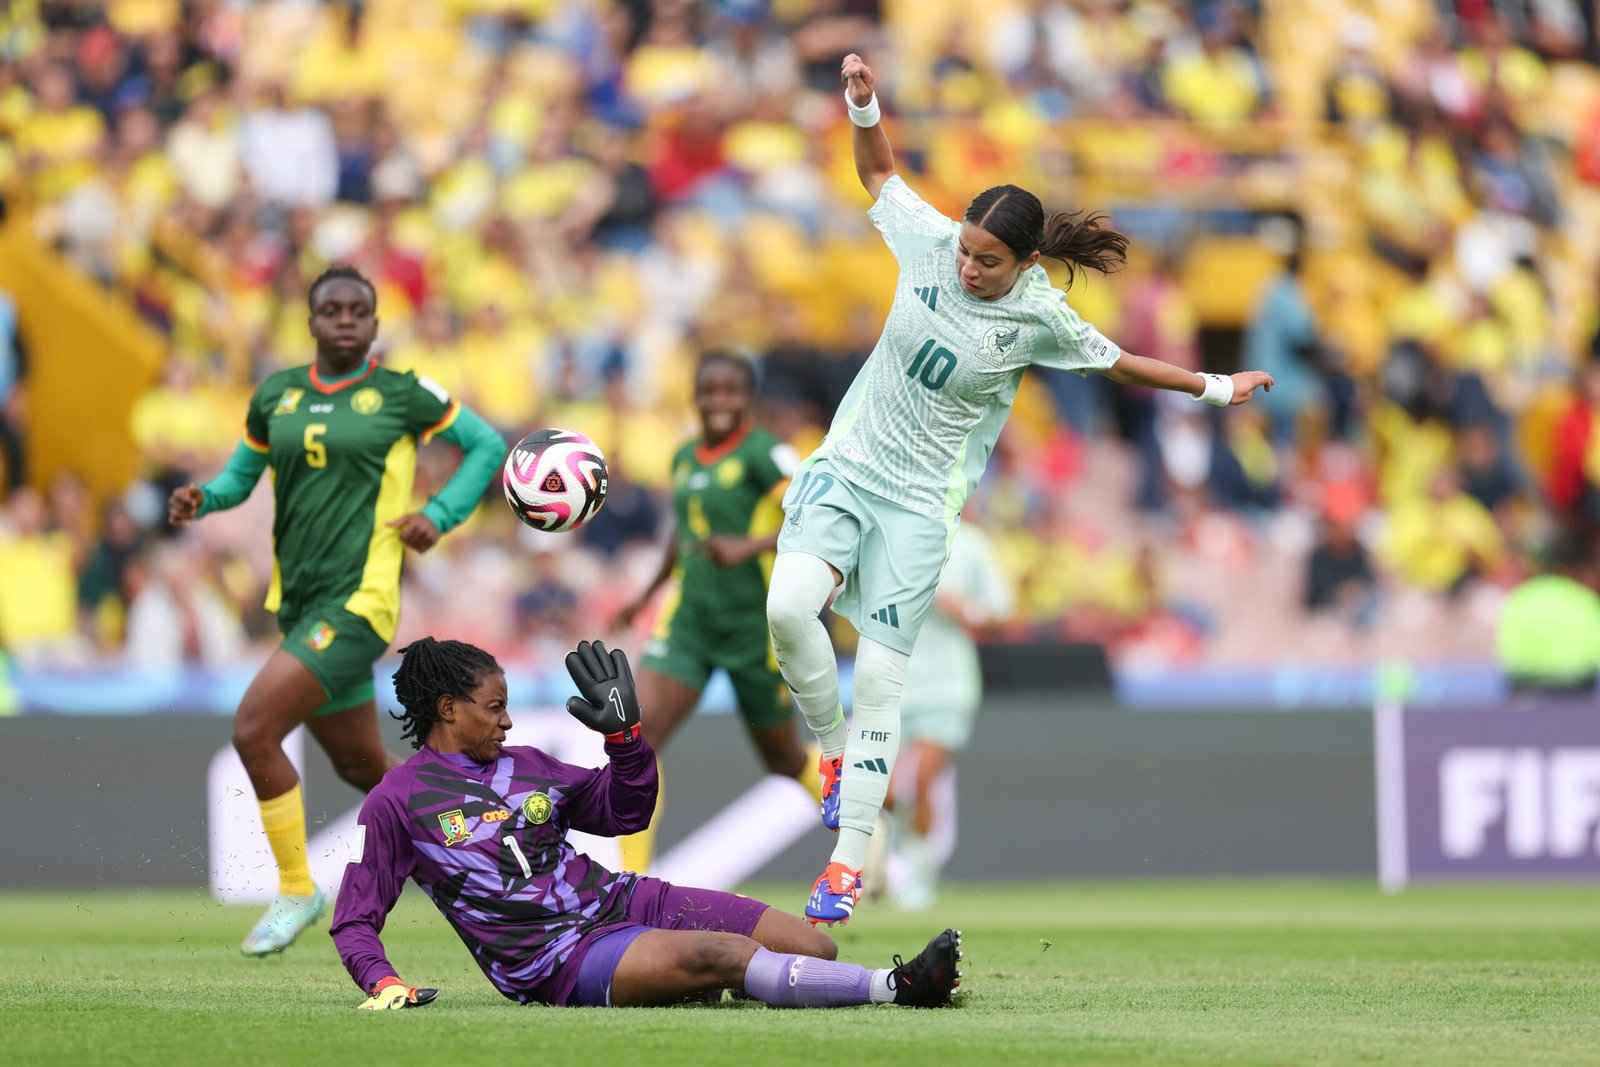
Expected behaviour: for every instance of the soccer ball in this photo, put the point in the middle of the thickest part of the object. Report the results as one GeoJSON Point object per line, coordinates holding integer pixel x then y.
{"type": "Point", "coordinates": [555, 480]}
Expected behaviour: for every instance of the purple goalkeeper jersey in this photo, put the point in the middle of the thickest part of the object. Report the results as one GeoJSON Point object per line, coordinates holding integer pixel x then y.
{"type": "Point", "coordinates": [488, 843]}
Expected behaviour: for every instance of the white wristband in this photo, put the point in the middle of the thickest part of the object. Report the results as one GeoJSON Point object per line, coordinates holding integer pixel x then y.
{"type": "Point", "coordinates": [865, 117]}
{"type": "Point", "coordinates": [1219, 390]}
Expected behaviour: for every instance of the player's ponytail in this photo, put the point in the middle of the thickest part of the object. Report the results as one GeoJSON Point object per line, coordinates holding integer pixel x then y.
{"type": "Point", "coordinates": [1081, 239]}
{"type": "Point", "coordinates": [1076, 238]}
{"type": "Point", "coordinates": [430, 669]}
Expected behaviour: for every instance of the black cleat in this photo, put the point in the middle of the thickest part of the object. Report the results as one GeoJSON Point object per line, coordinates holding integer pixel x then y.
{"type": "Point", "coordinates": [931, 978]}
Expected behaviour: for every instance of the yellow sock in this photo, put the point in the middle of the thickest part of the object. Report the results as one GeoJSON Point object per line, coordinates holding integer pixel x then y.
{"type": "Point", "coordinates": [640, 848]}
{"type": "Point", "coordinates": [808, 775]}
{"type": "Point", "coordinates": [284, 819]}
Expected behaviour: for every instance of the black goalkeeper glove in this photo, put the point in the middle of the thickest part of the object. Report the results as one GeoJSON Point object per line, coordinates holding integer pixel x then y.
{"type": "Point", "coordinates": [609, 704]}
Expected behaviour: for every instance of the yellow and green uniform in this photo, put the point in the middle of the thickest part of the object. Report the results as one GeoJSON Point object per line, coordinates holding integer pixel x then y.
{"type": "Point", "coordinates": [717, 616]}
{"type": "Point", "coordinates": [342, 454]}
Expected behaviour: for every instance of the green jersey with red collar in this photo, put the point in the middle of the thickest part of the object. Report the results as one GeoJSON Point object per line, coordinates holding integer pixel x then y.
{"type": "Point", "coordinates": [727, 490]}
{"type": "Point", "coordinates": [342, 457]}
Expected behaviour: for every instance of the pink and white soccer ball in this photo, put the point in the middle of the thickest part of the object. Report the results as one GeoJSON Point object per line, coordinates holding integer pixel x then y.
{"type": "Point", "coordinates": [555, 480]}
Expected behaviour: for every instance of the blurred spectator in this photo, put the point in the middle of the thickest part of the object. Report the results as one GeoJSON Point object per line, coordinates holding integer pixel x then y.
{"type": "Point", "coordinates": [547, 608]}
{"type": "Point", "coordinates": [289, 153]}
{"type": "Point", "coordinates": [1158, 320]}
{"type": "Point", "coordinates": [1245, 472]}
{"type": "Point", "coordinates": [13, 395]}
{"type": "Point", "coordinates": [175, 615]}
{"type": "Point", "coordinates": [204, 151]}
{"type": "Point", "coordinates": [1574, 479]}
{"type": "Point", "coordinates": [1281, 339]}
{"type": "Point", "coordinates": [38, 584]}
{"type": "Point", "coordinates": [101, 580]}
{"type": "Point", "coordinates": [561, 203]}
{"type": "Point", "coordinates": [1339, 577]}
{"type": "Point", "coordinates": [1440, 542]}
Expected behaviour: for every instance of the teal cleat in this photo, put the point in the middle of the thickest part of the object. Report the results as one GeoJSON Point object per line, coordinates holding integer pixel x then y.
{"type": "Point", "coordinates": [282, 922]}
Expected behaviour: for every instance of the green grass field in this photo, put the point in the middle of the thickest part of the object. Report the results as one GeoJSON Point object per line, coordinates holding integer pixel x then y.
{"type": "Point", "coordinates": [1198, 972]}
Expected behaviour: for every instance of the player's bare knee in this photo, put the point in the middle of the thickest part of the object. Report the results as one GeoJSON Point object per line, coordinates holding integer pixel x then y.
{"type": "Point", "coordinates": [360, 772]}
{"type": "Point", "coordinates": [252, 738]}
{"type": "Point", "coordinates": [819, 944]}
{"type": "Point", "coordinates": [718, 959]}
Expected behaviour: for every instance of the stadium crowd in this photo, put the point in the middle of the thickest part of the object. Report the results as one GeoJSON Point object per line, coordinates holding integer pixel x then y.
{"type": "Point", "coordinates": [1389, 207]}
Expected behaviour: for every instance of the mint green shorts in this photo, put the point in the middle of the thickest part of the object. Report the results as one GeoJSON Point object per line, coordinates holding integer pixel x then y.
{"type": "Point", "coordinates": [891, 557]}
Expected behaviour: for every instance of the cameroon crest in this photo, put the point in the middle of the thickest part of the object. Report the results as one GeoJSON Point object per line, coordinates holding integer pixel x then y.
{"type": "Point", "coordinates": [366, 401]}
{"type": "Point", "coordinates": [454, 825]}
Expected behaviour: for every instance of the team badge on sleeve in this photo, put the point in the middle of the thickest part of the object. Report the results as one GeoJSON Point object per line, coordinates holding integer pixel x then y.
{"type": "Point", "coordinates": [454, 825]}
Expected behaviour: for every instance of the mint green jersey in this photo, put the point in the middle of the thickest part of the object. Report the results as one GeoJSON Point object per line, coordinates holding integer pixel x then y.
{"type": "Point", "coordinates": [923, 414]}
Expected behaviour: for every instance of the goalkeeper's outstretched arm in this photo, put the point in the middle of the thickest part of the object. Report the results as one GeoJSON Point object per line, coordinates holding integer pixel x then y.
{"type": "Point", "coordinates": [874, 157]}
{"type": "Point", "coordinates": [372, 883]}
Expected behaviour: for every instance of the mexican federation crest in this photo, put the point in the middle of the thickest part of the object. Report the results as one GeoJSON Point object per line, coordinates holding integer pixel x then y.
{"type": "Point", "coordinates": [998, 343]}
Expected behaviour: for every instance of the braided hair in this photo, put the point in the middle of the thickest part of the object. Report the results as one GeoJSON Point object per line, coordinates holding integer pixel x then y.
{"type": "Point", "coordinates": [335, 273]}
{"type": "Point", "coordinates": [430, 669]}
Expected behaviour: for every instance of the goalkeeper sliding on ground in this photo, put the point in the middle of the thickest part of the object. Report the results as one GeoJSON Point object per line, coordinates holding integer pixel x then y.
{"type": "Point", "coordinates": [482, 828]}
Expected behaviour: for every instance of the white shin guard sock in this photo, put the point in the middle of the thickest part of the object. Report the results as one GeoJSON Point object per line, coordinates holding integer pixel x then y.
{"type": "Point", "coordinates": [796, 596]}
{"type": "Point", "coordinates": [874, 742]}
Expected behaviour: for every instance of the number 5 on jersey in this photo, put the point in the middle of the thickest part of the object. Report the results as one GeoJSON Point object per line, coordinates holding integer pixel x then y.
{"type": "Point", "coordinates": [934, 363]}
{"type": "Point", "coordinates": [316, 450]}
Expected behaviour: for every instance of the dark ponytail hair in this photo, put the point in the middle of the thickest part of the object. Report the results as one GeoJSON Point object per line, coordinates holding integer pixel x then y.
{"type": "Point", "coordinates": [1076, 238]}
{"type": "Point", "coordinates": [430, 669]}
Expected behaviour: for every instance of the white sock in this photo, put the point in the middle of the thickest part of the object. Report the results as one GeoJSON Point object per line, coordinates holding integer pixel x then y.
{"type": "Point", "coordinates": [874, 742]}
{"type": "Point", "coordinates": [796, 596]}
{"type": "Point", "coordinates": [882, 992]}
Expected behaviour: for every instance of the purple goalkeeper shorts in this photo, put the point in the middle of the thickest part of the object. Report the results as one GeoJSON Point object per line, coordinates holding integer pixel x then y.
{"type": "Point", "coordinates": [585, 979]}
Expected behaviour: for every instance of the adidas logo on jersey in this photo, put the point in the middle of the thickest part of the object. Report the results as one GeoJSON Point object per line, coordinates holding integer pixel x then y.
{"type": "Point", "coordinates": [889, 616]}
{"type": "Point", "coordinates": [928, 294]}
{"type": "Point", "coordinates": [872, 765]}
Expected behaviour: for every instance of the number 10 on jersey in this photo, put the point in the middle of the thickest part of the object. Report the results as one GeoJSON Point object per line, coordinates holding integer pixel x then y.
{"type": "Point", "coordinates": [933, 365]}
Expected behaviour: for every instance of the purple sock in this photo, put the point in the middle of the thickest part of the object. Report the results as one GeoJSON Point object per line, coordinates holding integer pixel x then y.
{"type": "Point", "coordinates": [806, 982]}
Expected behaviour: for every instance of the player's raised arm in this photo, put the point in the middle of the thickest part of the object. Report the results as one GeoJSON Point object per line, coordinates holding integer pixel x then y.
{"type": "Point", "coordinates": [619, 798]}
{"type": "Point", "coordinates": [874, 157]}
{"type": "Point", "coordinates": [372, 883]}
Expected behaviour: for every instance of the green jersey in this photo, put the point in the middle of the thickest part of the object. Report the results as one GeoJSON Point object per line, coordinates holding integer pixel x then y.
{"type": "Point", "coordinates": [342, 458]}
{"type": "Point", "coordinates": [727, 490]}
